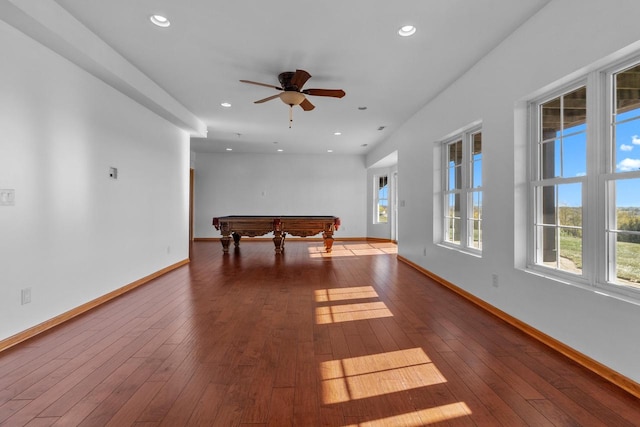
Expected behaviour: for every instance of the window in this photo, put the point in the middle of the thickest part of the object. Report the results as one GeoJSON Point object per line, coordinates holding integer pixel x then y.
{"type": "Point", "coordinates": [622, 179]}
{"type": "Point", "coordinates": [560, 178]}
{"type": "Point", "coordinates": [463, 190]}
{"type": "Point", "coordinates": [382, 199]}
{"type": "Point", "coordinates": [585, 180]}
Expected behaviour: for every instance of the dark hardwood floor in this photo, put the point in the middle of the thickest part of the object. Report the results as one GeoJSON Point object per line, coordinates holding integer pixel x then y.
{"type": "Point", "coordinates": [302, 339]}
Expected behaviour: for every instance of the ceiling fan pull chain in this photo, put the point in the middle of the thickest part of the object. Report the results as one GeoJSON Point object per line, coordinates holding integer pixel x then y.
{"type": "Point", "coordinates": [290, 115]}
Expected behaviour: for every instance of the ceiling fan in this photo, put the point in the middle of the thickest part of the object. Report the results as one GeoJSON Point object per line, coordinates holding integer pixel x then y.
{"type": "Point", "coordinates": [292, 93]}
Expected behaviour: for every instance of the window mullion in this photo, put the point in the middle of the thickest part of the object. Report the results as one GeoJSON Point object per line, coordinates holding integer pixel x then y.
{"type": "Point", "coordinates": [592, 204]}
{"type": "Point", "coordinates": [464, 192]}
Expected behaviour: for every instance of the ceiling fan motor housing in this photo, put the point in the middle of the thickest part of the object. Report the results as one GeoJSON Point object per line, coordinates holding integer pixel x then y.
{"type": "Point", "coordinates": [285, 81]}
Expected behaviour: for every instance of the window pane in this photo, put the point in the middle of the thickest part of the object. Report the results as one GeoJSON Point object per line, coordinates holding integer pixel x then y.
{"type": "Point", "coordinates": [547, 206]}
{"type": "Point", "coordinates": [382, 211]}
{"type": "Point", "coordinates": [454, 165]}
{"type": "Point", "coordinates": [382, 182]}
{"type": "Point", "coordinates": [570, 205]}
{"type": "Point", "coordinates": [453, 230]}
{"type": "Point", "coordinates": [574, 155]}
{"type": "Point", "coordinates": [383, 193]}
{"type": "Point", "coordinates": [550, 159]}
{"type": "Point", "coordinates": [570, 253]}
{"type": "Point", "coordinates": [559, 236]}
{"type": "Point", "coordinates": [574, 111]}
{"type": "Point", "coordinates": [627, 149]}
{"type": "Point", "coordinates": [476, 158]}
{"type": "Point", "coordinates": [550, 114]}
{"type": "Point", "coordinates": [475, 237]}
{"type": "Point", "coordinates": [628, 204]}
{"type": "Point", "coordinates": [627, 255]}
{"type": "Point", "coordinates": [476, 203]}
{"type": "Point", "coordinates": [565, 157]}
{"type": "Point", "coordinates": [564, 115]}
{"type": "Point", "coordinates": [453, 208]}
{"type": "Point", "coordinates": [455, 178]}
{"type": "Point", "coordinates": [627, 93]}
{"type": "Point", "coordinates": [565, 209]}
{"type": "Point", "coordinates": [455, 153]}
{"type": "Point", "coordinates": [383, 199]}
{"type": "Point", "coordinates": [627, 261]}
{"type": "Point", "coordinates": [547, 246]}
{"type": "Point", "coordinates": [453, 218]}
{"type": "Point", "coordinates": [474, 223]}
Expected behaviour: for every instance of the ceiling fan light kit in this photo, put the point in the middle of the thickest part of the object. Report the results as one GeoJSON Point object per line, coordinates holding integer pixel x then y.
{"type": "Point", "coordinates": [291, 84]}
{"type": "Point", "coordinates": [292, 98]}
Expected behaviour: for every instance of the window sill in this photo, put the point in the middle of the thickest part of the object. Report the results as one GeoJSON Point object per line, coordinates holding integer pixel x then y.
{"type": "Point", "coordinates": [619, 292]}
{"type": "Point", "coordinates": [467, 251]}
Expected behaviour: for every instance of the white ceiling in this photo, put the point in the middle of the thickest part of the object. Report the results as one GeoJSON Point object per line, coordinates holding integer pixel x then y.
{"type": "Point", "coordinates": [344, 44]}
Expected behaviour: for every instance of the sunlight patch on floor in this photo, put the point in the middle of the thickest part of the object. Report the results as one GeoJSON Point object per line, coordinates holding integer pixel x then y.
{"type": "Point", "coordinates": [342, 294]}
{"type": "Point", "coordinates": [353, 249]}
{"type": "Point", "coordinates": [423, 417]}
{"type": "Point", "coordinates": [351, 312]}
{"type": "Point", "coordinates": [376, 375]}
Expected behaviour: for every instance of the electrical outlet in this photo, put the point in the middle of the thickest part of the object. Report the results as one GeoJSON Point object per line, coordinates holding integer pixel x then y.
{"type": "Point", "coordinates": [25, 296]}
{"type": "Point", "coordinates": [7, 197]}
{"type": "Point", "coordinates": [494, 280]}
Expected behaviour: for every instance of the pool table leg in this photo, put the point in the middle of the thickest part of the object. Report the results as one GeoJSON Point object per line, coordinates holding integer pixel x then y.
{"type": "Point", "coordinates": [278, 241]}
{"type": "Point", "coordinates": [328, 240]}
{"type": "Point", "coordinates": [236, 239]}
{"type": "Point", "coordinates": [225, 240]}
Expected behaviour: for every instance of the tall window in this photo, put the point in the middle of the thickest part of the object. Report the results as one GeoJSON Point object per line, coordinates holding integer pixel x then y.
{"type": "Point", "coordinates": [585, 183]}
{"type": "Point", "coordinates": [622, 179]}
{"type": "Point", "coordinates": [463, 190]}
{"type": "Point", "coordinates": [560, 178]}
{"type": "Point", "coordinates": [382, 199]}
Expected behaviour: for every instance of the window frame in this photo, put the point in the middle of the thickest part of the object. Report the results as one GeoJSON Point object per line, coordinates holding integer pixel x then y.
{"type": "Point", "coordinates": [537, 181]}
{"type": "Point", "coordinates": [377, 199]}
{"type": "Point", "coordinates": [465, 192]}
{"type": "Point", "coordinates": [598, 202]}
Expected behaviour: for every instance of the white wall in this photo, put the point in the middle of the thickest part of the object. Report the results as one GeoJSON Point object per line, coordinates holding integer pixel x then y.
{"type": "Point", "coordinates": [74, 234]}
{"type": "Point", "coordinates": [565, 37]}
{"type": "Point", "coordinates": [280, 184]}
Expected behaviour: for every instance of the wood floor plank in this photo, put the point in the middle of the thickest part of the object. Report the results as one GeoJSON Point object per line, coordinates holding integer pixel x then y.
{"type": "Point", "coordinates": [120, 394]}
{"type": "Point", "coordinates": [303, 338]}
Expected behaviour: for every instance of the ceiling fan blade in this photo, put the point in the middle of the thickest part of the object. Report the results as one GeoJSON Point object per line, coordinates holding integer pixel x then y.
{"type": "Point", "coordinates": [306, 105]}
{"type": "Point", "coordinates": [335, 93]}
{"type": "Point", "coordinates": [300, 78]}
{"type": "Point", "coordinates": [261, 84]}
{"type": "Point", "coordinates": [269, 98]}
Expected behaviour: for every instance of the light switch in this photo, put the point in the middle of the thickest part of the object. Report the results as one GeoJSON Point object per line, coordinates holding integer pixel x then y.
{"type": "Point", "coordinates": [7, 197]}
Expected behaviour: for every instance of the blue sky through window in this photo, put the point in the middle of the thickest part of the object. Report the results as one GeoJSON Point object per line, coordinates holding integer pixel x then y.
{"type": "Point", "coordinates": [572, 160]}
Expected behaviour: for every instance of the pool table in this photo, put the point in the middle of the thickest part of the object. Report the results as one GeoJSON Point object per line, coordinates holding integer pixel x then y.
{"type": "Point", "coordinates": [236, 226]}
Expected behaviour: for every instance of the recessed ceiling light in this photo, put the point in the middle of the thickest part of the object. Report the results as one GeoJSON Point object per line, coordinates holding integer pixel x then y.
{"type": "Point", "coordinates": [329, 151]}
{"type": "Point", "coordinates": [226, 104]}
{"type": "Point", "coordinates": [280, 150]}
{"type": "Point", "coordinates": [337, 133]}
{"type": "Point", "coordinates": [407, 30]}
{"type": "Point", "coordinates": [160, 21]}
{"type": "Point", "coordinates": [229, 149]}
